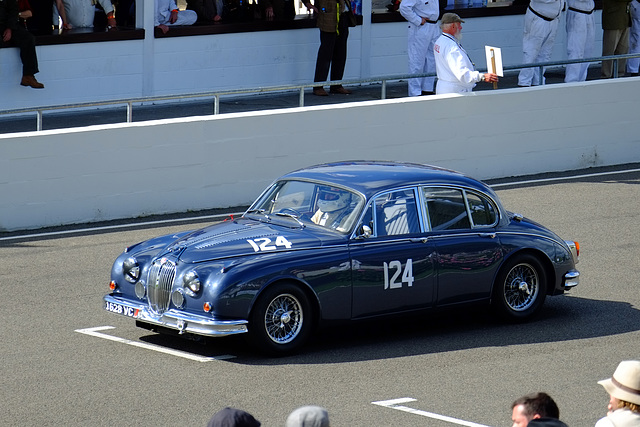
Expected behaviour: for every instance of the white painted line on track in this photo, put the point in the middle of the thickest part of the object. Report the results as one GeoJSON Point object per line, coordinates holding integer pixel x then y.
{"type": "Point", "coordinates": [396, 404]}
{"type": "Point", "coordinates": [122, 226]}
{"type": "Point", "coordinates": [564, 178]}
{"type": "Point", "coordinates": [95, 332]}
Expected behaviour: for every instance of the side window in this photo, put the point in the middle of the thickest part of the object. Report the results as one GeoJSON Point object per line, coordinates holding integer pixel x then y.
{"type": "Point", "coordinates": [483, 212]}
{"type": "Point", "coordinates": [446, 208]}
{"type": "Point", "coordinates": [396, 213]}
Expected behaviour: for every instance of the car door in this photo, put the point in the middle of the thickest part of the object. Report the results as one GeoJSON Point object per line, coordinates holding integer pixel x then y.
{"type": "Point", "coordinates": [393, 268]}
{"type": "Point", "coordinates": [462, 229]}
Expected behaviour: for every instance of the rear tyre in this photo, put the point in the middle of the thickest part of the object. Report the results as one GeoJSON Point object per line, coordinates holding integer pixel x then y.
{"type": "Point", "coordinates": [520, 288]}
{"type": "Point", "coordinates": [281, 320]}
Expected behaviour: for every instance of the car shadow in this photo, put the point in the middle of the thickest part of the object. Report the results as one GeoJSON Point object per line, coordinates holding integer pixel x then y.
{"type": "Point", "coordinates": [563, 318]}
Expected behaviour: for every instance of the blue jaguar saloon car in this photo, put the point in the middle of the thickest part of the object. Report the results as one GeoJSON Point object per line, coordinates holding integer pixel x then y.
{"type": "Point", "coordinates": [341, 242]}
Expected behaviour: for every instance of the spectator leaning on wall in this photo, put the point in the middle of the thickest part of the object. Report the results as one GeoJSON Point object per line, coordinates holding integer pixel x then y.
{"type": "Point", "coordinates": [16, 35]}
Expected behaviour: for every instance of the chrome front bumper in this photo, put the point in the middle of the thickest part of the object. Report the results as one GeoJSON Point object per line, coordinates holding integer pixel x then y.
{"type": "Point", "coordinates": [571, 279]}
{"type": "Point", "coordinates": [174, 319]}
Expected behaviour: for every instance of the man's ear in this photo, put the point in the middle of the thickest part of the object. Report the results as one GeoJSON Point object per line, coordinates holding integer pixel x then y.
{"type": "Point", "coordinates": [536, 416]}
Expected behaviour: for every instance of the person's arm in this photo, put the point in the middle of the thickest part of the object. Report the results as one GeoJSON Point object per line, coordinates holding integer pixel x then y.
{"type": "Point", "coordinates": [24, 14]}
{"type": "Point", "coordinates": [174, 11]}
{"type": "Point", "coordinates": [311, 7]}
{"type": "Point", "coordinates": [63, 14]}
{"type": "Point", "coordinates": [109, 11]}
{"type": "Point", "coordinates": [407, 12]}
{"type": "Point", "coordinates": [458, 64]}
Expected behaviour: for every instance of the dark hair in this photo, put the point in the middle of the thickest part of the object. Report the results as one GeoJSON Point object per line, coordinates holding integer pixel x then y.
{"type": "Point", "coordinates": [538, 403]}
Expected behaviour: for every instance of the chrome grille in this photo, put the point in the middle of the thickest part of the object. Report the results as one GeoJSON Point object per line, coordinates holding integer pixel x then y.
{"type": "Point", "coordinates": [159, 284]}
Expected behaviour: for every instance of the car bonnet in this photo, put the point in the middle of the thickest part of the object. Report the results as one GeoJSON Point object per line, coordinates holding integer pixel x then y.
{"type": "Point", "coordinates": [242, 238]}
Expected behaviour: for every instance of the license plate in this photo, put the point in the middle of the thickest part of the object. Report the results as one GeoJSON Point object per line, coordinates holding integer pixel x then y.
{"type": "Point", "coordinates": [121, 309]}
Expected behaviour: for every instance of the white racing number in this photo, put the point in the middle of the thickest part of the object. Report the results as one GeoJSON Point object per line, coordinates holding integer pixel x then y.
{"type": "Point", "coordinates": [395, 268]}
{"type": "Point", "coordinates": [264, 243]}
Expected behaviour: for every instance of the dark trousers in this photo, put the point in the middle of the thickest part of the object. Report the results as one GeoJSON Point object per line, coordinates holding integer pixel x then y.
{"type": "Point", "coordinates": [24, 40]}
{"type": "Point", "coordinates": [332, 53]}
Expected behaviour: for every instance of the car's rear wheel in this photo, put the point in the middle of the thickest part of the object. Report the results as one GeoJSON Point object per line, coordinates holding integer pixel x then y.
{"type": "Point", "coordinates": [520, 288]}
{"type": "Point", "coordinates": [281, 320]}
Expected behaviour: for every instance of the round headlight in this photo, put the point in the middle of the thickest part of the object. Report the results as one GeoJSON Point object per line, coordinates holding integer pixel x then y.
{"type": "Point", "coordinates": [191, 282]}
{"type": "Point", "coordinates": [131, 270]}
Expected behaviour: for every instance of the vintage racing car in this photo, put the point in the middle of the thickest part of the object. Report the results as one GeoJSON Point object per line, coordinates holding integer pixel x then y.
{"type": "Point", "coordinates": [340, 242]}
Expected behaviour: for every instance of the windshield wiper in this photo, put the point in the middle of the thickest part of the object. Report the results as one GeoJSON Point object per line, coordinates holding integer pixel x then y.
{"type": "Point", "coordinates": [290, 215]}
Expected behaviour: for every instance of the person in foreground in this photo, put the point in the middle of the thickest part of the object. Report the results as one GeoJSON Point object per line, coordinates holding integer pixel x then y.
{"type": "Point", "coordinates": [232, 417]}
{"type": "Point", "coordinates": [537, 409]}
{"type": "Point", "coordinates": [308, 416]}
{"type": "Point", "coordinates": [624, 396]}
{"type": "Point", "coordinates": [18, 36]}
{"type": "Point", "coordinates": [456, 73]}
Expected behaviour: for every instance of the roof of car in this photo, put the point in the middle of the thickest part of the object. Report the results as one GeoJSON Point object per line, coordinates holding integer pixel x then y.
{"type": "Point", "coordinates": [370, 177]}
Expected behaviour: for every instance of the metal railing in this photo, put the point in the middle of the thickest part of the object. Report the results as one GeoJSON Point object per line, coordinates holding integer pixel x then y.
{"type": "Point", "coordinates": [130, 102]}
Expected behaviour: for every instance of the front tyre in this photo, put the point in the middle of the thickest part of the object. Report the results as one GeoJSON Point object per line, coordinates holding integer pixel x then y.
{"type": "Point", "coordinates": [281, 320]}
{"type": "Point", "coordinates": [520, 288]}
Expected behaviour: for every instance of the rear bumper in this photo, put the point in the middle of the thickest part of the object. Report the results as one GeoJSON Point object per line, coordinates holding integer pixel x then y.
{"type": "Point", "coordinates": [174, 319]}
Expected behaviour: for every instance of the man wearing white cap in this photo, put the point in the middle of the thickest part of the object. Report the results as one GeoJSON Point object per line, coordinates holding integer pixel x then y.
{"type": "Point", "coordinates": [456, 73]}
{"type": "Point", "coordinates": [624, 391]}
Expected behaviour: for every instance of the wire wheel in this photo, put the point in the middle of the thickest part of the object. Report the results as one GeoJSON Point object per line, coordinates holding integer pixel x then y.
{"type": "Point", "coordinates": [521, 287]}
{"type": "Point", "coordinates": [283, 318]}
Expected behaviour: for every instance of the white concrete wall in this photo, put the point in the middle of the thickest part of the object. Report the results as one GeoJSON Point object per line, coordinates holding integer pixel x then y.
{"type": "Point", "coordinates": [89, 72]}
{"type": "Point", "coordinates": [117, 171]}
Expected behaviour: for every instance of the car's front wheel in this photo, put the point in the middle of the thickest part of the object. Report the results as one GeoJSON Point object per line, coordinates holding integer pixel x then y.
{"type": "Point", "coordinates": [520, 288]}
{"type": "Point", "coordinates": [281, 320]}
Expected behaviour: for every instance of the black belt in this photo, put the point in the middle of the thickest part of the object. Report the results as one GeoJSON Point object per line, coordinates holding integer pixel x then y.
{"type": "Point", "coordinates": [541, 16]}
{"type": "Point", "coordinates": [429, 21]}
{"type": "Point", "coordinates": [582, 11]}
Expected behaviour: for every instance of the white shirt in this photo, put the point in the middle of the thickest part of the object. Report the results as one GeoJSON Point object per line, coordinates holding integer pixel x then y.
{"type": "Point", "coordinates": [620, 418]}
{"type": "Point", "coordinates": [453, 65]}
{"type": "Point", "coordinates": [80, 13]}
{"type": "Point", "coordinates": [414, 10]}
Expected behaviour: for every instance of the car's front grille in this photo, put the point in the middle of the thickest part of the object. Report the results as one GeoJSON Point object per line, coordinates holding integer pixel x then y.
{"type": "Point", "coordinates": [161, 276]}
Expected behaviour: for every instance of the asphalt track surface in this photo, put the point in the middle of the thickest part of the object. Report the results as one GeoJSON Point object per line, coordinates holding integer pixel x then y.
{"type": "Point", "coordinates": [67, 362]}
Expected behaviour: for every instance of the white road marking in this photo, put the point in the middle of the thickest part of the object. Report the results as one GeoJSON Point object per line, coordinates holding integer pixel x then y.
{"type": "Point", "coordinates": [123, 226]}
{"type": "Point", "coordinates": [95, 332]}
{"type": "Point", "coordinates": [396, 404]}
{"type": "Point", "coordinates": [564, 178]}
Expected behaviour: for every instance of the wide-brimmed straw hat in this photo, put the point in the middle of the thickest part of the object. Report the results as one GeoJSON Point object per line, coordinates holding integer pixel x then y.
{"type": "Point", "coordinates": [625, 382]}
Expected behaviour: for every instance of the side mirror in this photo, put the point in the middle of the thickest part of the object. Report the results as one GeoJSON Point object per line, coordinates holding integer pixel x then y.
{"type": "Point", "coordinates": [364, 232]}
